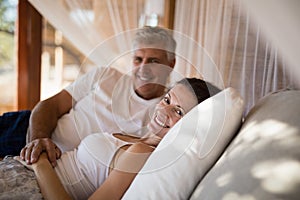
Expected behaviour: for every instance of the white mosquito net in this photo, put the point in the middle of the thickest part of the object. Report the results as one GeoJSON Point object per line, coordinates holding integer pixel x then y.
{"type": "Point", "coordinates": [251, 45]}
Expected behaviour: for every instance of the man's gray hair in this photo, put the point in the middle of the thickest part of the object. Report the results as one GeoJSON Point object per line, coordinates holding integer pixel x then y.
{"type": "Point", "coordinates": [156, 37]}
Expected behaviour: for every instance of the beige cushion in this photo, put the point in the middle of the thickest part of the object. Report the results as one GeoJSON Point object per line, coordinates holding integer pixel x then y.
{"type": "Point", "coordinates": [263, 161]}
{"type": "Point", "coordinates": [190, 148]}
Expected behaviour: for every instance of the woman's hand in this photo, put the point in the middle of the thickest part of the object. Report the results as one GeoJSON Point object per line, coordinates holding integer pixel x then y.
{"type": "Point", "coordinates": [31, 152]}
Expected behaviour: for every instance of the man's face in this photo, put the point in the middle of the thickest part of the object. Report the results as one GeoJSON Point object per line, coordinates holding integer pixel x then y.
{"type": "Point", "coordinates": [150, 72]}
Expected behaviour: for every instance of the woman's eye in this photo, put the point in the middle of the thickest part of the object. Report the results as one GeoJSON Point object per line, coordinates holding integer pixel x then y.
{"type": "Point", "coordinates": [166, 100]}
{"type": "Point", "coordinates": [179, 112]}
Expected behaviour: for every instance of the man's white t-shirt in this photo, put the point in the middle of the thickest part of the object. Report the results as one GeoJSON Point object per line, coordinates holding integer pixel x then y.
{"type": "Point", "coordinates": [105, 101]}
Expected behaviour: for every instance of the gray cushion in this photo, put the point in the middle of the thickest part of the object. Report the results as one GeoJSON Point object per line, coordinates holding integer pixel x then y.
{"type": "Point", "coordinates": [263, 161]}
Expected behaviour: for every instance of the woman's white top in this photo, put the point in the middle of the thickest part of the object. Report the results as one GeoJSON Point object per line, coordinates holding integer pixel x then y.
{"type": "Point", "coordinates": [83, 170]}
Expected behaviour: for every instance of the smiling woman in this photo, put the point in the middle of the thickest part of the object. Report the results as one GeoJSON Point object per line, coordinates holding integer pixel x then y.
{"type": "Point", "coordinates": [104, 165]}
{"type": "Point", "coordinates": [178, 101]}
{"type": "Point", "coordinates": [130, 157]}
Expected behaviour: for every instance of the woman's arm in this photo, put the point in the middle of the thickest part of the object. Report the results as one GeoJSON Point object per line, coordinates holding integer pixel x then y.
{"type": "Point", "coordinates": [48, 180]}
{"type": "Point", "coordinates": [127, 165]}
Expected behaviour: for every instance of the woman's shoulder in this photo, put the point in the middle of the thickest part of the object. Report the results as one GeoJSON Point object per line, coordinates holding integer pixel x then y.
{"type": "Point", "coordinates": [126, 138]}
{"type": "Point", "coordinates": [140, 147]}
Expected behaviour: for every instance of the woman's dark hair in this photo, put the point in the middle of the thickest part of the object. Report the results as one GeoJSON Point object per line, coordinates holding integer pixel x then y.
{"type": "Point", "coordinates": [202, 89]}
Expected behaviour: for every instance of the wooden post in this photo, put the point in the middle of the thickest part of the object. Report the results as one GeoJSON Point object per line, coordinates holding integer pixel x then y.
{"type": "Point", "coordinates": [29, 55]}
{"type": "Point", "coordinates": [169, 13]}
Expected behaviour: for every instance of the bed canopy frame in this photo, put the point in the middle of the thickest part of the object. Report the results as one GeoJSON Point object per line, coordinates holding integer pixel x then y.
{"type": "Point", "coordinates": [251, 45]}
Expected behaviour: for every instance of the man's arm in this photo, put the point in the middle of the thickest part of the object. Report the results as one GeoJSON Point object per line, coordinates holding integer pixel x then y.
{"type": "Point", "coordinates": [128, 164]}
{"type": "Point", "coordinates": [43, 121]}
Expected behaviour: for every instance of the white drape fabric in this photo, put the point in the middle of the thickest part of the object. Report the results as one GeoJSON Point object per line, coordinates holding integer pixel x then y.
{"type": "Point", "coordinates": [280, 22]}
{"type": "Point", "coordinates": [221, 41]}
{"type": "Point", "coordinates": [243, 54]}
{"type": "Point", "coordinates": [87, 24]}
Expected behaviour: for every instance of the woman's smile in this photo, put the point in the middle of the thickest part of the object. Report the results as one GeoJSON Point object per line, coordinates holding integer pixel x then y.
{"type": "Point", "coordinates": [160, 122]}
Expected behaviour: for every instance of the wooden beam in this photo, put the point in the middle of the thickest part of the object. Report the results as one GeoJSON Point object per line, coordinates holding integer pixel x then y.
{"type": "Point", "coordinates": [169, 14]}
{"type": "Point", "coordinates": [29, 55]}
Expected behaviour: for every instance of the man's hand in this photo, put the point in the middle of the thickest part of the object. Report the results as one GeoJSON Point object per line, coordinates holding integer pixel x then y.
{"type": "Point", "coordinates": [31, 152]}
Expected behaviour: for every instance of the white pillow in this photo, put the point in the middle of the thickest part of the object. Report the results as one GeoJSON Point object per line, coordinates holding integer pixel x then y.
{"type": "Point", "coordinates": [190, 148]}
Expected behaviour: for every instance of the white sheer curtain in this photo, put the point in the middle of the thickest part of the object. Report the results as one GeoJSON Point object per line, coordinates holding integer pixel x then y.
{"type": "Point", "coordinates": [245, 56]}
{"type": "Point", "coordinates": [221, 41]}
{"type": "Point", "coordinates": [90, 23]}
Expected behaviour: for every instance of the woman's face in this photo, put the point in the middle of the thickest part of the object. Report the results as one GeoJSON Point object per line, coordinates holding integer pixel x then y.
{"type": "Point", "coordinates": [175, 104]}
